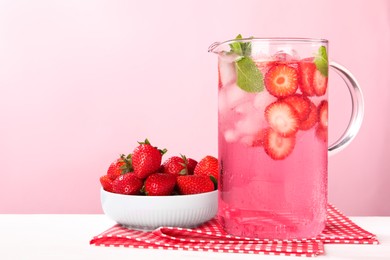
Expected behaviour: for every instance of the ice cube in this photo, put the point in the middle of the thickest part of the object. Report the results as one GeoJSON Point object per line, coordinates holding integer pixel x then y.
{"type": "Point", "coordinates": [249, 124]}
{"type": "Point", "coordinates": [244, 108]}
{"type": "Point", "coordinates": [263, 99]}
{"type": "Point", "coordinates": [222, 102]}
{"type": "Point", "coordinates": [261, 57]}
{"type": "Point", "coordinates": [247, 140]}
{"type": "Point", "coordinates": [227, 71]}
{"type": "Point", "coordinates": [228, 56]}
{"type": "Point", "coordinates": [231, 135]}
{"type": "Point", "coordinates": [264, 66]}
{"type": "Point", "coordinates": [287, 55]}
{"type": "Point", "coordinates": [235, 96]}
{"type": "Point", "coordinates": [295, 55]}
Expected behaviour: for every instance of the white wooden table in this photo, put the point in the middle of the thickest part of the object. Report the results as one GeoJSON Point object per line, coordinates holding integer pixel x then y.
{"type": "Point", "coordinates": [57, 237]}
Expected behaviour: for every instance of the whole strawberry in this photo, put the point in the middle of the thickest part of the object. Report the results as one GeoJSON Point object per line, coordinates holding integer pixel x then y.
{"type": "Point", "coordinates": [114, 170]}
{"type": "Point", "coordinates": [194, 184]}
{"type": "Point", "coordinates": [146, 159]}
{"type": "Point", "coordinates": [127, 184]}
{"type": "Point", "coordinates": [106, 183]}
{"type": "Point", "coordinates": [191, 165]}
{"type": "Point", "coordinates": [208, 166]}
{"type": "Point", "coordinates": [120, 166]}
{"type": "Point", "coordinates": [176, 165]}
{"type": "Point", "coordinates": [159, 184]}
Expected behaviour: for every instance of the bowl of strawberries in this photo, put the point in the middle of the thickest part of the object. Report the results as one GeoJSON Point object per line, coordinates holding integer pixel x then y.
{"type": "Point", "coordinates": [140, 191]}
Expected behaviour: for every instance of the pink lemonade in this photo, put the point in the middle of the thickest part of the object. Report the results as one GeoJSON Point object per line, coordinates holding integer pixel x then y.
{"type": "Point", "coordinates": [273, 148]}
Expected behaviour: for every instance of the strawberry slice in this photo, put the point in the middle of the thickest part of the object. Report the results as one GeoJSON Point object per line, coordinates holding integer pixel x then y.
{"type": "Point", "coordinates": [320, 83]}
{"type": "Point", "coordinates": [322, 128]}
{"type": "Point", "coordinates": [219, 79]}
{"type": "Point", "coordinates": [259, 138]}
{"type": "Point", "coordinates": [306, 70]}
{"type": "Point", "coordinates": [277, 146]}
{"type": "Point", "coordinates": [311, 119]}
{"type": "Point", "coordinates": [323, 113]}
{"type": "Point", "coordinates": [282, 117]}
{"type": "Point", "coordinates": [322, 133]}
{"type": "Point", "coordinates": [281, 80]}
{"type": "Point", "coordinates": [301, 104]}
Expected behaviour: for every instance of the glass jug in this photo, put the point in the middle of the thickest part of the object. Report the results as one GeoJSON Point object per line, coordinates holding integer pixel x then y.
{"type": "Point", "coordinates": [273, 135]}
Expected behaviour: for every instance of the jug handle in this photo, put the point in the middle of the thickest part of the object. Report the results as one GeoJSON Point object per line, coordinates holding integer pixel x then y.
{"type": "Point", "coordinates": [357, 113]}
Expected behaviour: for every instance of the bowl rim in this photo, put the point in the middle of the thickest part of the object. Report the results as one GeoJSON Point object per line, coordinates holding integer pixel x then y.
{"type": "Point", "coordinates": [171, 197]}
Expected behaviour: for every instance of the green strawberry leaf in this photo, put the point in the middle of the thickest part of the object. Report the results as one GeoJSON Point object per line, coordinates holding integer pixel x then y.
{"type": "Point", "coordinates": [184, 159]}
{"type": "Point", "coordinates": [145, 142]}
{"type": "Point", "coordinates": [321, 61]}
{"type": "Point", "coordinates": [163, 151]}
{"type": "Point", "coordinates": [184, 171]}
{"type": "Point", "coordinates": [214, 180]}
{"type": "Point", "coordinates": [249, 77]}
{"type": "Point", "coordinates": [143, 191]}
{"type": "Point", "coordinates": [128, 166]}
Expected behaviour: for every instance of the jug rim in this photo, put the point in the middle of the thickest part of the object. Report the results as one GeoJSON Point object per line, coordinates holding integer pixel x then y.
{"type": "Point", "coordinates": [271, 40]}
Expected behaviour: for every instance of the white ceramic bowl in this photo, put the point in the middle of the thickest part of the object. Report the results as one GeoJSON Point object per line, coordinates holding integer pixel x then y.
{"type": "Point", "coordinates": [151, 212]}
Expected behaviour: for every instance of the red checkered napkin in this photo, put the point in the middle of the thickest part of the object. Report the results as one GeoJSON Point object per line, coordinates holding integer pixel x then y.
{"type": "Point", "coordinates": [341, 230]}
{"type": "Point", "coordinates": [211, 237]}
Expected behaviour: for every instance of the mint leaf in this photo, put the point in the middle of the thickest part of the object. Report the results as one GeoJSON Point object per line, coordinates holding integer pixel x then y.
{"type": "Point", "coordinates": [246, 48]}
{"type": "Point", "coordinates": [235, 47]}
{"type": "Point", "coordinates": [321, 61]}
{"type": "Point", "coordinates": [249, 77]}
{"type": "Point", "coordinates": [241, 48]}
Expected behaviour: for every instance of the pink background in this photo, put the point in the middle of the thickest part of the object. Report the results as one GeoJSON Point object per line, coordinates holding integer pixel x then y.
{"type": "Point", "coordinates": [82, 81]}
